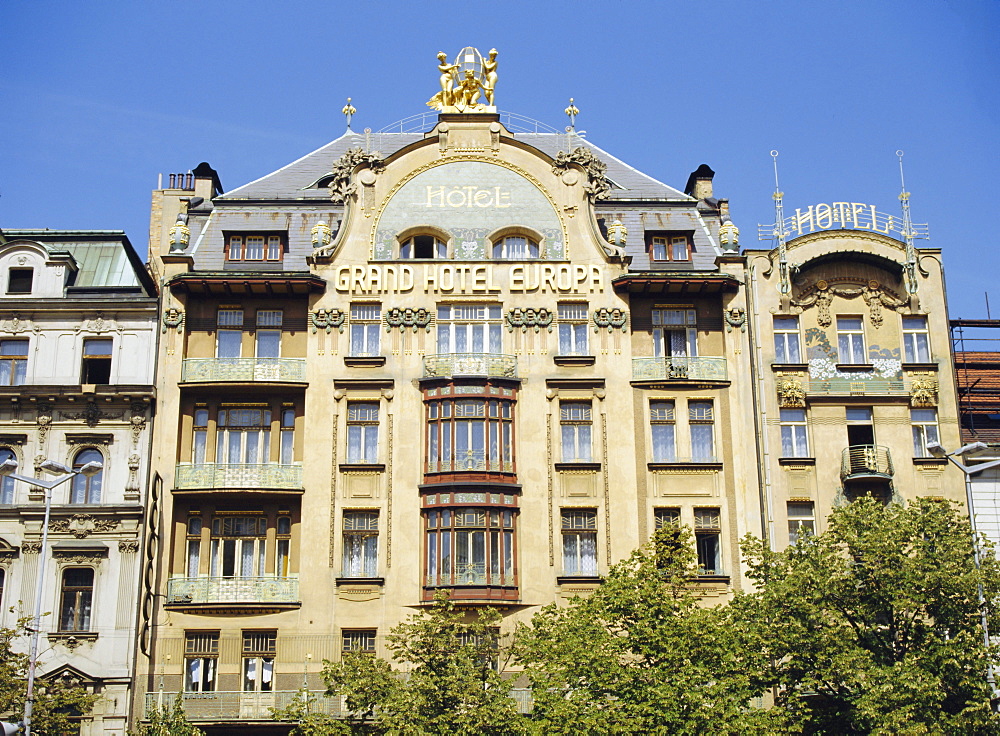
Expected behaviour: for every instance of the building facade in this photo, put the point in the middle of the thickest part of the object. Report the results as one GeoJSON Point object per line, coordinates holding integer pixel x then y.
{"type": "Point", "coordinates": [78, 329]}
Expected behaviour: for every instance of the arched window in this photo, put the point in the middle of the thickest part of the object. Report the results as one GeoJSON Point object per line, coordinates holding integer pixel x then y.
{"type": "Point", "coordinates": [87, 489]}
{"type": "Point", "coordinates": [77, 599]}
{"type": "Point", "coordinates": [515, 247]}
{"type": "Point", "coordinates": [423, 246]}
{"type": "Point", "coordinates": [7, 484]}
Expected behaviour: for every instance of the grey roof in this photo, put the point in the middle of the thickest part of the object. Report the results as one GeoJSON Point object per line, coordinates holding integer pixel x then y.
{"type": "Point", "coordinates": [104, 258]}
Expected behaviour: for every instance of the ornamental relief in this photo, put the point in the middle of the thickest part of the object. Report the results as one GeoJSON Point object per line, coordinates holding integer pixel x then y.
{"type": "Point", "coordinates": [79, 557]}
{"type": "Point", "coordinates": [923, 391]}
{"type": "Point", "coordinates": [14, 325]}
{"type": "Point", "coordinates": [610, 319]}
{"type": "Point", "coordinates": [327, 319]}
{"type": "Point", "coordinates": [82, 526]}
{"type": "Point", "coordinates": [528, 319]}
{"type": "Point", "coordinates": [408, 318]}
{"type": "Point", "coordinates": [820, 294]}
{"type": "Point", "coordinates": [791, 393]}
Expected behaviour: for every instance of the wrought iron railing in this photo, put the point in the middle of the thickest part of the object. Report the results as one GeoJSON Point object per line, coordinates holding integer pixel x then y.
{"type": "Point", "coordinates": [218, 475]}
{"type": "Point", "coordinates": [865, 460]}
{"type": "Point", "coordinates": [206, 370]}
{"type": "Point", "coordinates": [240, 706]}
{"type": "Point", "coordinates": [233, 590]}
{"type": "Point", "coordinates": [446, 365]}
{"type": "Point", "coordinates": [679, 369]}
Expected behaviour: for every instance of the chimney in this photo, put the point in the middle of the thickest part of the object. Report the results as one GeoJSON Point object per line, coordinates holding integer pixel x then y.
{"type": "Point", "coordinates": [206, 181]}
{"type": "Point", "coordinates": [699, 184]}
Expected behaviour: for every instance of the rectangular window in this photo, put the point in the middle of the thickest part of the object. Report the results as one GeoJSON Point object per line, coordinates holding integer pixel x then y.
{"type": "Point", "coordinates": [13, 362]}
{"type": "Point", "coordinates": [794, 441]}
{"type": "Point", "coordinates": [579, 542]}
{"type": "Point", "coordinates": [360, 544]}
{"type": "Point", "coordinates": [193, 540]}
{"type": "Point", "coordinates": [670, 248]}
{"type": "Point", "coordinates": [76, 599]}
{"type": "Point", "coordinates": [283, 540]}
{"type": "Point", "coordinates": [916, 340]}
{"type": "Point", "coordinates": [573, 329]}
{"type": "Point", "coordinates": [366, 326]}
{"type": "Point", "coordinates": [925, 430]}
{"type": "Point", "coordinates": [675, 333]}
{"type": "Point", "coordinates": [801, 520]}
{"type": "Point", "coordinates": [576, 424]}
{"type": "Point", "coordinates": [96, 361]}
{"type": "Point", "coordinates": [362, 432]}
{"type": "Point", "coordinates": [287, 448]}
{"type": "Point", "coordinates": [786, 340]}
{"type": "Point", "coordinates": [668, 517]}
{"type": "Point", "coordinates": [201, 657]}
{"type": "Point", "coordinates": [254, 247]}
{"type": "Point", "coordinates": [259, 649]}
{"type": "Point", "coordinates": [851, 341]}
{"type": "Point", "coordinates": [238, 546]}
{"type": "Point", "coordinates": [469, 328]}
{"type": "Point", "coordinates": [466, 435]}
{"type": "Point", "coordinates": [229, 336]}
{"type": "Point", "coordinates": [19, 280]}
{"type": "Point", "coordinates": [661, 424]}
{"type": "Point", "coordinates": [701, 421]}
{"type": "Point", "coordinates": [200, 435]}
{"type": "Point", "coordinates": [357, 640]}
{"type": "Point", "coordinates": [269, 333]}
{"type": "Point", "coordinates": [708, 540]}
{"type": "Point", "coordinates": [243, 436]}
{"type": "Point", "coordinates": [470, 546]}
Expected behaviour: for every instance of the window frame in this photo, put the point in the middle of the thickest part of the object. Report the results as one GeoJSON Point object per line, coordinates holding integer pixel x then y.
{"type": "Point", "coordinates": [574, 328]}
{"type": "Point", "coordinates": [87, 489]}
{"type": "Point", "coordinates": [848, 339]}
{"type": "Point", "coordinates": [366, 330]}
{"type": "Point", "coordinates": [794, 432]}
{"type": "Point", "coordinates": [236, 246]}
{"type": "Point", "coordinates": [207, 657]}
{"type": "Point", "coordinates": [406, 247]}
{"type": "Point", "coordinates": [576, 431]}
{"type": "Point", "coordinates": [663, 421]}
{"type": "Point", "coordinates": [357, 559]}
{"type": "Point", "coordinates": [14, 367]}
{"type": "Point", "coordinates": [363, 432]}
{"type": "Point", "coordinates": [708, 540]}
{"type": "Point", "coordinates": [501, 248]}
{"type": "Point", "coordinates": [20, 270]}
{"type": "Point", "coordinates": [350, 639]}
{"type": "Point", "coordinates": [8, 488]}
{"type": "Point", "coordinates": [925, 430]}
{"type": "Point", "coordinates": [786, 339]}
{"type": "Point", "coordinates": [452, 433]}
{"type": "Point", "coordinates": [258, 654]}
{"type": "Point", "coordinates": [76, 601]}
{"type": "Point", "coordinates": [664, 331]}
{"type": "Point", "coordinates": [90, 363]}
{"type": "Point", "coordinates": [913, 351]}
{"type": "Point", "coordinates": [449, 537]}
{"type": "Point", "coordinates": [668, 242]}
{"type": "Point", "coordinates": [796, 522]}
{"type": "Point", "coordinates": [697, 422]}
{"type": "Point", "coordinates": [577, 526]}
{"type": "Point", "coordinates": [471, 318]}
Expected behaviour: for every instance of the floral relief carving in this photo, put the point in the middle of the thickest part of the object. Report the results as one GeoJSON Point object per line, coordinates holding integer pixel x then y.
{"type": "Point", "coordinates": [327, 319]}
{"type": "Point", "coordinates": [612, 319]}
{"type": "Point", "coordinates": [128, 546]}
{"type": "Point", "coordinates": [527, 319]}
{"type": "Point", "coordinates": [875, 295]}
{"type": "Point", "coordinates": [93, 414]}
{"type": "Point", "coordinates": [597, 186]}
{"type": "Point", "coordinates": [31, 548]}
{"type": "Point", "coordinates": [791, 394]}
{"type": "Point", "coordinates": [82, 526]}
{"type": "Point", "coordinates": [923, 392]}
{"type": "Point", "coordinates": [736, 317]}
{"type": "Point", "coordinates": [408, 317]}
{"type": "Point", "coordinates": [341, 186]}
{"type": "Point", "coordinates": [67, 557]}
{"type": "Point", "coordinates": [173, 319]}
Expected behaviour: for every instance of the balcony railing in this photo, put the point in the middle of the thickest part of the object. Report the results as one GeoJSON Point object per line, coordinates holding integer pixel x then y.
{"type": "Point", "coordinates": [218, 370]}
{"type": "Point", "coordinates": [865, 461]}
{"type": "Point", "coordinates": [679, 369]}
{"type": "Point", "coordinates": [447, 365]}
{"type": "Point", "coordinates": [239, 706]}
{"type": "Point", "coordinates": [847, 387]}
{"type": "Point", "coordinates": [233, 590]}
{"type": "Point", "coordinates": [217, 475]}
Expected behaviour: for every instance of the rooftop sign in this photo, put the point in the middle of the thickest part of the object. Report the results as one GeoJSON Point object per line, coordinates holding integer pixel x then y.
{"type": "Point", "coordinates": [842, 216]}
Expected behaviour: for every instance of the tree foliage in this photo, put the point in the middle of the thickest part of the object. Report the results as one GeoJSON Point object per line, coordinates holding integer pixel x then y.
{"type": "Point", "coordinates": [874, 626]}
{"type": "Point", "coordinates": [168, 720]}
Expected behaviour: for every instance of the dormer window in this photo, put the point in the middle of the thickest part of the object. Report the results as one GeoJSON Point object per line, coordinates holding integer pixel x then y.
{"type": "Point", "coordinates": [669, 247]}
{"type": "Point", "coordinates": [254, 247]}
{"type": "Point", "coordinates": [423, 246]}
{"type": "Point", "coordinates": [19, 280]}
{"type": "Point", "coordinates": [515, 248]}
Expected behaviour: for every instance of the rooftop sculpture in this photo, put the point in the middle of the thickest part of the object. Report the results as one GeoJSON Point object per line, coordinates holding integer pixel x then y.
{"type": "Point", "coordinates": [465, 82]}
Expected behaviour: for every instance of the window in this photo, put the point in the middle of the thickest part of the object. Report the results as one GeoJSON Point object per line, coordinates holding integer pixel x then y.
{"type": "Point", "coordinates": [201, 655]}
{"type": "Point", "coordinates": [701, 420]}
{"type": "Point", "coordinates": [261, 247]}
{"type": "Point", "coordinates": [925, 430]}
{"type": "Point", "coordinates": [786, 340]}
{"type": "Point", "coordinates": [851, 340]}
{"type": "Point", "coordinates": [469, 328]}
{"type": "Point", "coordinates": [470, 546]}
{"type": "Point", "coordinates": [661, 425]}
{"type": "Point", "coordinates": [287, 449]}
{"type": "Point", "coordinates": [360, 544]}
{"type": "Point", "coordinates": [238, 546]}
{"type": "Point", "coordinates": [269, 333]}
{"type": "Point", "coordinates": [200, 438]}
{"type": "Point", "coordinates": [665, 518]}
{"type": "Point", "coordinates": [916, 341]}
{"type": "Point", "coordinates": [576, 423]}
{"type": "Point", "coordinates": [801, 520]}
{"type": "Point", "coordinates": [259, 648]}
{"type": "Point", "coordinates": [357, 640]}
{"type": "Point", "coordinates": [470, 435]}
{"type": "Point", "coordinates": [194, 546]}
{"type": "Point", "coordinates": [13, 362]}
{"type": "Point", "coordinates": [667, 542]}
{"type": "Point", "coordinates": [6, 482]}
{"type": "Point", "coordinates": [229, 337]}
{"type": "Point", "coordinates": [515, 247]}
{"type": "Point", "coordinates": [76, 599]}
{"type": "Point", "coordinates": [243, 436]}
{"type": "Point", "coordinates": [283, 541]}
{"type": "Point", "coordinates": [670, 248]}
{"type": "Point", "coordinates": [96, 361]}
{"type": "Point", "coordinates": [19, 280]}
{"type": "Point", "coordinates": [794, 441]}
{"type": "Point", "coordinates": [579, 542]}
{"type": "Point", "coordinates": [87, 488]}
{"type": "Point", "coordinates": [362, 432]}
{"type": "Point", "coordinates": [573, 329]}
{"type": "Point", "coordinates": [366, 325]}
{"type": "Point", "coordinates": [707, 537]}
{"type": "Point", "coordinates": [423, 246]}
{"type": "Point", "coordinates": [674, 332]}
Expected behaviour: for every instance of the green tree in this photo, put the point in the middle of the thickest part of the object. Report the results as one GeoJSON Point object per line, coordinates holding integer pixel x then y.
{"type": "Point", "coordinates": [168, 720]}
{"type": "Point", "coordinates": [639, 655]}
{"type": "Point", "coordinates": [874, 626]}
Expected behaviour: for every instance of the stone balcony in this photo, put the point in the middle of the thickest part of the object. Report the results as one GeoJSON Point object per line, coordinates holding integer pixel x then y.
{"type": "Point", "coordinates": [243, 370]}
{"type": "Point", "coordinates": [679, 368]}
{"type": "Point", "coordinates": [209, 590]}
{"type": "Point", "coordinates": [239, 706]}
{"type": "Point", "coordinates": [487, 365]}
{"type": "Point", "coordinates": [217, 475]}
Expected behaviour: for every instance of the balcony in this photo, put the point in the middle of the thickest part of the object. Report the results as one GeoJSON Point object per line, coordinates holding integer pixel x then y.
{"type": "Point", "coordinates": [452, 365]}
{"type": "Point", "coordinates": [268, 590]}
{"type": "Point", "coordinates": [848, 387]}
{"type": "Point", "coordinates": [866, 462]}
{"type": "Point", "coordinates": [239, 706]}
{"type": "Point", "coordinates": [677, 368]}
{"type": "Point", "coordinates": [216, 475]}
{"type": "Point", "coordinates": [243, 370]}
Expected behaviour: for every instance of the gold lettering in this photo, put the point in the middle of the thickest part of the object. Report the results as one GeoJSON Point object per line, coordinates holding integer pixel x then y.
{"type": "Point", "coordinates": [406, 278]}
{"type": "Point", "coordinates": [548, 278]}
{"type": "Point", "coordinates": [806, 217]}
{"type": "Point", "coordinates": [469, 195]}
{"type": "Point", "coordinates": [461, 195]}
{"type": "Point", "coordinates": [343, 280]}
{"type": "Point", "coordinates": [483, 198]}
{"type": "Point", "coordinates": [358, 279]}
{"type": "Point", "coordinates": [842, 213]}
{"type": "Point", "coordinates": [856, 209]}
{"type": "Point", "coordinates": [516, 278]}
{"type": "Point", "coordinates": [479, 279]}
{"type": "Point", "coordinates": [875, 226]}
{"type": "Point", "coordinates": [565, 278]}
{"type": "Point", "coordinates": [824, 216]}
{"type": "Point", "coordinates": [374, 279]}
{"type": "Point", "coordinates": [430, 278]}
{"type": "Point", "coordinates": [596, 279]}
{"type": "Point", "coordinates": [433, 192]}
{"type": "Point", "coordinates": [501, 198]}
{"type": "Point", "coordinates": [446, 281]}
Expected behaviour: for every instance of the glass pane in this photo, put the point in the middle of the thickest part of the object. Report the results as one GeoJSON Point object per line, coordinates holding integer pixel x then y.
{"type": "Point", "coordinates": [229, 344]}
{"type": "Point", "coordinates": [268, 344]}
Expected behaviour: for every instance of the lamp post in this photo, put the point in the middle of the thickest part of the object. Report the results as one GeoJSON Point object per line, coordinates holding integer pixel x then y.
{"type": "Point", "coordinates": [7, 468]}
{"type": "Point", "coordinates": [937, 450]}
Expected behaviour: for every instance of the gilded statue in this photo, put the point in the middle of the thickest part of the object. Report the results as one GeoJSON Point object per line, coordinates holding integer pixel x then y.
{"type": "Point", "coordinates": [490, 70]}
{"type": "Point", "coordinates": [461, 90]}
{"type": "Point", "coordinates": [449, 74]}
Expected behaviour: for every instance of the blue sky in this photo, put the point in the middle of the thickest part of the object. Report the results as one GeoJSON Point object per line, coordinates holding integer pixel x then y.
{"type": "Point", "coordinates": [100, 97]}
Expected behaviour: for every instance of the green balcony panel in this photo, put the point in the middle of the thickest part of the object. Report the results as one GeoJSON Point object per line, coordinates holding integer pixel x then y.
{"type": "Point", "coordinates": [676, 368]}
{"type": "Point", "coordinates": [490, 365]}
{"type": "Point", "coordinates": [233, 590]}
{"type": "Point", "coordinates": [221, 370]}
{"type": "Point", "coordinates": [217, 475]}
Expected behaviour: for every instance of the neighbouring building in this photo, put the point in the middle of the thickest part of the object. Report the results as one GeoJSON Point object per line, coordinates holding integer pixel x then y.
{"type": "Point", "coordinates": [472, 353]}
{"type": "Point", "coordinates": [78, 329]}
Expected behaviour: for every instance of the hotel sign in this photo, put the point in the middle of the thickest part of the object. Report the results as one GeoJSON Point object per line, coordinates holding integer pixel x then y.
{"type": "Point", "coordinates": [469, 278]}
{"type": "Point", "coordinates": [842, 216]}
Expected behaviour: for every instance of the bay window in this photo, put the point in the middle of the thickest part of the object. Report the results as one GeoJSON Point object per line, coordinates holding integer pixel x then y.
{"type": "Point", "coordinates": [470, 434]}
{"type": "Point", "coordinates": [470, 546]}
{"type": "Point", "coordinates": [243, 436]}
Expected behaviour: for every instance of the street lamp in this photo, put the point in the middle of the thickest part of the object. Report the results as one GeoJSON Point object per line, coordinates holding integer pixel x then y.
{"type": "Point", "coordinates": [7, 468]}
{"type": "Point", "coordinates": [937, 450]}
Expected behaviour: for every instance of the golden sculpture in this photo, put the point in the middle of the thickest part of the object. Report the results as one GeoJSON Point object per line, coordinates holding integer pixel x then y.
{"type": "Point", "coordinates": [461, 92]}
{"type": "Point", "coordinates": [490, 70]}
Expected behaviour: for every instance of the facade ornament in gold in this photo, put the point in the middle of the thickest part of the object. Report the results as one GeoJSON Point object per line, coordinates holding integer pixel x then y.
{"type": "Point", "coordinates": [179, 234]}
{"type": "Point", "coordinates": [527, 319]}
{"type": "Point", "coordinates": [465, 81]}
{"type": "Point", "coordinates": [348, 111]}
{"type": "Point", "coordinates": [923, 392]}
{"type": "Point", "coordinates": [321, 235]}
{"type": "Point", "coordinates": [736, 317]}
{"type": "Point", "coordinates": [407, 318]}
{"type": "Point", "coordinates": [173, 319]}
{"type": "Point", "coordinates": [128, 546]}
{"type": "Point", "coordinates": [729, 237]}
{"type": "Point", "coordinates": [341, 185]}
{"type": "Point", "coordinates": [791, 394]}
{"type": "Point", "coordinates": [571, 112]}
{"type": "Point", "coordinates": [597, 186]}
{"type": "Point", "coordinates": [617, 233]}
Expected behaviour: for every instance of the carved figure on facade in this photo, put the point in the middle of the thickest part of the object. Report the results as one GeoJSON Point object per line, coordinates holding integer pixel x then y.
{"type": "Point", "coordinates": [791, 394]}
{"type": "Point", "coordinates": [128, 546]}
{"type": "Point", "coordinates": [341, 186]}
{"type": "Point", "coordinates": [526, 319]}
{"type": "Point", "coordinates": [612, 319]}
{"type": "Point", "coordinates": [15, 324]}
{"type": "Point", "coordinates": [44, 421]}
{"type": "Point", "coordinates": [327, 319]}
{"type": "Point", "coordinates": [923, 392]}
{"type": "Point", "coordinates": [821, 294]}
{"type": "Point", "coordinates": [173, 319]}
{"type": "Point", "coordinates": [490, 71]}
{"type": "Point", "coordinates": [82, 526]}
{"type": "Point", "coordinates": [736, 317]}
{"type": "Point", "coordinates": [597, 186]}
{"type": "Point", "coordinates": [93, 414]}
{"type": "Point", "coordinates": [408, 317]}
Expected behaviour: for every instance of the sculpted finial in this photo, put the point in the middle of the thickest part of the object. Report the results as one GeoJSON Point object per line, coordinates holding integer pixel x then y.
{"type": "Point", "coordinates": [465, 81]}
{"type": "Point", "coordinates": [348, 112]}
